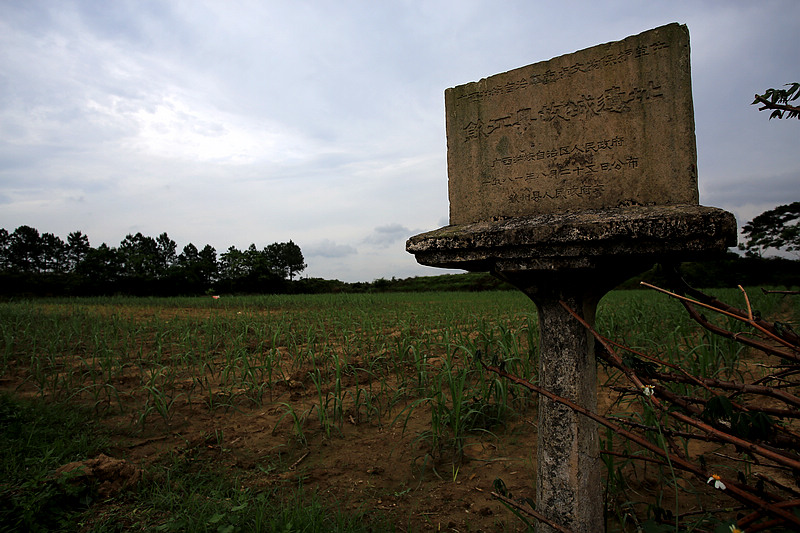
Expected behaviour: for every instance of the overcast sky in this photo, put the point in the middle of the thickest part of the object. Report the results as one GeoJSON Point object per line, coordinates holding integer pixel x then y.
{"type": "Point", "coordinates": [237, 122]}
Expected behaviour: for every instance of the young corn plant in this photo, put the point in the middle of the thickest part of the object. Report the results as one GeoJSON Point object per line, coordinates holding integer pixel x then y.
{"type": "Point", "coordinates": [324, 399]}
{"type": "Point", "coordinates": [457, 409]}
{"type": "Point", "coordinates": [298, 422]}
{"type": "Point", "coordinates": [160, 395]}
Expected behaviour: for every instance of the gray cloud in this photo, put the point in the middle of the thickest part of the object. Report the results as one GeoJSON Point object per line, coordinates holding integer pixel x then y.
{"type": "Point", "coordinates": [384, 236]}
{"type": "Point", "coordinates": [756, 189]}
{"type": "Point", "coordinates": [328, 249]}
{"type": "Point", "coordinates": [231, 123]}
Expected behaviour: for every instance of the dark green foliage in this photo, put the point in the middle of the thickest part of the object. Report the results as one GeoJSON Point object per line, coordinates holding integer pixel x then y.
{"type": "Point", "coordinates": [35, 439]}
{"type": "Point", "coordinates": [640, 366]}
{"type": "Point", "coordinates": [778, 101]}
{"type": "Point", "coordinates": [718, 408]}
{"type": "Point", "coordinates": [468, 282]}
{"type": "Point", "coordinates": [744, 424]}
{"type": "Point", "coordinates": [285, 259]}
{"type": "Point", "coordinates": [730, 271]}
{"type": "Point", "coordinates": [24, 250]}
{"type": "Point", "coordinates": [183, 495]}
{"type": "Point", "coordinates": [777, 229]}
{"type": "Point", "coordinates": [33, 264]}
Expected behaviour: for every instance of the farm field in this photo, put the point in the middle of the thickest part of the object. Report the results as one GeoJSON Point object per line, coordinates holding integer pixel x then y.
{"type": "Point", "coordinates": [351, 412]}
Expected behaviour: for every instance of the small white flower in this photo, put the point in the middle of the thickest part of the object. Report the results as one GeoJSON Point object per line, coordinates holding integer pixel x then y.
{"type": "Point", "coordinates": [648, 390]}
{"type": "Point", "coordinates": [718, 484]}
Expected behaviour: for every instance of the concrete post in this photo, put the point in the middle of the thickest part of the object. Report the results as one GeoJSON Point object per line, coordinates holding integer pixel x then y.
{"type": "Point", "coordinates": [569, 486]}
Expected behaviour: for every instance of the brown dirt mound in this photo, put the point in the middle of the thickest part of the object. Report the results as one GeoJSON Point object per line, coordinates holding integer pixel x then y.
{"type": "Point", "coordinates": [111, 475]}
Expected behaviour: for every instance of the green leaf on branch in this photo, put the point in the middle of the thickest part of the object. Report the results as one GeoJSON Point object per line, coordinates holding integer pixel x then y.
{"type": "Point", "coordinates": [778, 100]}
{"type": "Point", "coordinates": [717, 409]}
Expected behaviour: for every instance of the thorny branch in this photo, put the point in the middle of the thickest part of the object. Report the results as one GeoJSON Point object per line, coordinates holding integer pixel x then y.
{"type": "Point", "coordinates": [721, 411]}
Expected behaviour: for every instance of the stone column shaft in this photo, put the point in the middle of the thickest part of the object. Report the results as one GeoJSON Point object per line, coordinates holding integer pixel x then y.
{"type": "Point", "coordinates": [568, 489]}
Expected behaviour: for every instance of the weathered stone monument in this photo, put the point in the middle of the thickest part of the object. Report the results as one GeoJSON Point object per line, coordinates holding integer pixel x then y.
{"type": "Point", "coordinates": [567, 177]}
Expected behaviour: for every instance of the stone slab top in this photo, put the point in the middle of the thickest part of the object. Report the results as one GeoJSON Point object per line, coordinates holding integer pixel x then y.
{"type": "Point", "coordinates": [577, 241]}
{"type": "Point", "coordinates": [604, 127]}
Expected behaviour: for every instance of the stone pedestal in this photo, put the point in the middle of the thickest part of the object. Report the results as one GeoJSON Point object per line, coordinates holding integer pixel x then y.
{"type": "Point", "coordinates": [575, 258]}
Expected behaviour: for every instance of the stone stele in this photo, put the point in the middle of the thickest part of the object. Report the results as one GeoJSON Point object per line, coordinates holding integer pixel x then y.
{"type": "Point", "coordinates": [566, 178]}
{"type": "Point", "coordinates": [609, 126]}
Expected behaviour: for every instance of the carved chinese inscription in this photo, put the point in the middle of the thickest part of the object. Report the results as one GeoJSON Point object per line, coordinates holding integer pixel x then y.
{"type": "Point", "coordinates": [607, 126]}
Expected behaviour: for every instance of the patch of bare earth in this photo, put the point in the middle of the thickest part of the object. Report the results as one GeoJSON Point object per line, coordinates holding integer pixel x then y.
{"type": "Point", "coordinates": [362, 463]}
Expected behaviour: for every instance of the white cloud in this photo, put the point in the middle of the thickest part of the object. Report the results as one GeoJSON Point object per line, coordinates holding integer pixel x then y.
{"type": "Point", "coordinates": [243, 122]}
{"type": "Point", "coordinates": [175, 128]}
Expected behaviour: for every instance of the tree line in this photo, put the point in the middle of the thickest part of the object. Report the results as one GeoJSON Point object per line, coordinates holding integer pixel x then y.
{"type": "Point", "coordinates": [42, 263]}
{"type": "Point", "coordinates": [33, 263]}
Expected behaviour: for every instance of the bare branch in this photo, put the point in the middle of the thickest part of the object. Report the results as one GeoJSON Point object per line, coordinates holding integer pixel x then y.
{"type": "Point", "coordinates": [746, 495]}
{"type": "Point", "coordinates": [765, 291]}
{"type": "Point", "coordinates": [766, 329]}
{"type": "Point", "coordinates": [530, 512]}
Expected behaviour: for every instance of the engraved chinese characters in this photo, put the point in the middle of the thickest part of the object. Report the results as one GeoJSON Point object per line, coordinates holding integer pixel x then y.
{"type": "Point", "coordinates": [604, 127]}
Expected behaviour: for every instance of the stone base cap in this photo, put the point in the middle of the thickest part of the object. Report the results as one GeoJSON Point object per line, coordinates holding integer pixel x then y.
{"type": "Point", "coordinates": [578, 241]}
